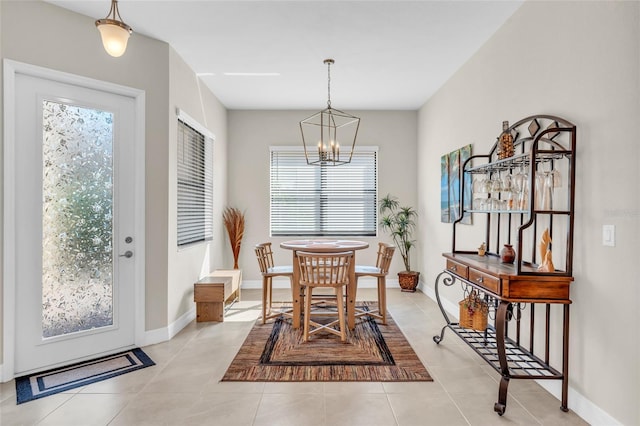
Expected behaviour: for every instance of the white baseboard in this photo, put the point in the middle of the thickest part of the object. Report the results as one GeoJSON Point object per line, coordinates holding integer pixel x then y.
{"type": "Point", "coordinates": [577, 402]}
{"type": "Point", "coordinates": [159, 335]}
{"type": "Point", "coordinates": [580, 405]}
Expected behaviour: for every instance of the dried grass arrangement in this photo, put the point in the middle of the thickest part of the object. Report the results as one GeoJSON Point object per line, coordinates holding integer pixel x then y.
{"type": "Point", "coordinates": [234, 222]}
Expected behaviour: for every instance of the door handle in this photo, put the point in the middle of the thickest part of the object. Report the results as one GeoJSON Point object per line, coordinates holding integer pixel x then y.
{"type": "Point", "coordinates": [127, 254]}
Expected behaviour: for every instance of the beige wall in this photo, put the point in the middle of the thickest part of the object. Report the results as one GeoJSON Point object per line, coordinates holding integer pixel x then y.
{"type": "Point", "coordinates": [252, 132]}
{"type": "Point", "coordinates": [48, 36]}
{"type": "Point", "coordinates": [189, 264]}
{"type": "Point", "coordinates": [580, 61]}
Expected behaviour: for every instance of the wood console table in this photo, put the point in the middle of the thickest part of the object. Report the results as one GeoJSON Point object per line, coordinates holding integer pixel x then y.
{"type": "Point", "coordinates": [508, 294]}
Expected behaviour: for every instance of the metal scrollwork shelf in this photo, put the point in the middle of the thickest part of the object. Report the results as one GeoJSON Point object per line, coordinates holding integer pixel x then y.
{"type": "Point", "coordinates": [514, 343]}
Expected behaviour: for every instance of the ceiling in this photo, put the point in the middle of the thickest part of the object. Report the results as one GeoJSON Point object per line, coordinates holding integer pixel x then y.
{"type": "Point", "coordinates": [389, 55]}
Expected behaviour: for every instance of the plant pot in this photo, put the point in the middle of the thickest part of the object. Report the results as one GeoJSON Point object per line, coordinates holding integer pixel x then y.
{"type": "Point", "coordinates": [408, 280]}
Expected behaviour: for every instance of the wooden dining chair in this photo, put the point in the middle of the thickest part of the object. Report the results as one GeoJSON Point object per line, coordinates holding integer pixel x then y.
{"type": "Point", "coordinates": [268, 271]}
{"type": "Point", "coordinates": [330, 270]}
{"type": "Point", "coordinates": [380, 272]}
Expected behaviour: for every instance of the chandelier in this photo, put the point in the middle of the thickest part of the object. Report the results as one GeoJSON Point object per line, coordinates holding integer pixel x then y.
{"type": "Point", "coordinates": [324, 132]}
{"type": "Point", "coordinates": [115, 33]}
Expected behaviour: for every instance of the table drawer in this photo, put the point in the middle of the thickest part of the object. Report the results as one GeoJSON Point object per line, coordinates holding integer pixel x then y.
{"type": "Point", "coordinates": [458, 268]}
{"type": "Point", "coordinates": [487, 281]}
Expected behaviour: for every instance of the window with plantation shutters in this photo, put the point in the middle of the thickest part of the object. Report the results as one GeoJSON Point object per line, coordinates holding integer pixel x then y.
{"type": "Point", "coordinates": [195, 182]}
{"type": "Point", "coordinates": [338, 201]}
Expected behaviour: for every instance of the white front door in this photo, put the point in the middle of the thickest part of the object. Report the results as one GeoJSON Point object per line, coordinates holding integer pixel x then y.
{"type": "Point", "coordinates": [74, 217]}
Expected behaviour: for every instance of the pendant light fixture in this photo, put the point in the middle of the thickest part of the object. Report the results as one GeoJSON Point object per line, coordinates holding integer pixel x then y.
{"type": "Point", "coordinates": [326, 134]}
{"type": "Point", "coordinates": [114, 32]}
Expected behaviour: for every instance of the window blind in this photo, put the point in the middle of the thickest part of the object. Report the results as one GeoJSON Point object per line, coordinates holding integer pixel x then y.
{"type": "Point", "coordinates": [195, 185]}
{"type": "Point", "coordinates": [323, 201]}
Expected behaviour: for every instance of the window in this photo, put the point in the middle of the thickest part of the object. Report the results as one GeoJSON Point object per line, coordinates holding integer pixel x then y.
{"type": "Point", "coordinates": [195, 182]}
{"type": "Point", "coordinates": [323, 201]}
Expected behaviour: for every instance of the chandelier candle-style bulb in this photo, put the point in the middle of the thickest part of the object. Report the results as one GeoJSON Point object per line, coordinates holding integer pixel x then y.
{"type": "Point", "coordinates": [114, 32]}
{"type": "Point", "coordinates": [328, 127]}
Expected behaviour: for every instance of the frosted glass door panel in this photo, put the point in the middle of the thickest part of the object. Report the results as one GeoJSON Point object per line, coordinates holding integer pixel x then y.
{"type": "Point", "coordinates": [77, 219]}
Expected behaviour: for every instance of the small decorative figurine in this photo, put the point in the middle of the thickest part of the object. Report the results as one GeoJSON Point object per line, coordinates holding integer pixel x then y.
{"type": "Point", "coordinates": [546, 258]}
{"type": "Point", "coordinates": [482, 249]}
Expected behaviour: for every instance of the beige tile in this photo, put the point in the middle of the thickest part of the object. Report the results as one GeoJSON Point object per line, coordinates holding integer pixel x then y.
{"type": "Point", "coordinates": [421, 389]}
{"type": "Point", "coordinates": [546, 408]}
{"type": "Point", "coordinates": [284, 409]}
{"type": "Point", "coordinates": [297, 387]}
{"type": "Point", "coordinates": [223, 409]}
{"type": "Point", "coordinates": [179, 378]}
{"type": "Point", "coordinates": [216, 386]}
{"type": "Point", "coordinates": [30, 413]}
{"type": "Point", "coordinates": [351, 388]}
{"type": "Point", "coordinates": [419, 410]}
{"type": "Point", "coordinates": [87, 410]}
{"type": "Point", "coordinates": [477, 408]}
{"type": "Point", "coordinates": [7, 390]}
{"type": "Point", "coordinates": [155, 409]}
{"type": "Point", "coordinates": [442, 355]}
{"type": "Point", "coordinates": [464, 379]}
{"type": "Point", "coordinates": [359, 409]}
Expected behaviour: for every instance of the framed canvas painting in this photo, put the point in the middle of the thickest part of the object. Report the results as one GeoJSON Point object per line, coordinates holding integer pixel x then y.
{"type": "Point", "coordinates": [444, 189]}
{"type": "Point", "coordinates": [465, 153]}
{"type": "Point", "coordinates": [450, 186]}
{"type": "Point", "coordinates": [454, 185]}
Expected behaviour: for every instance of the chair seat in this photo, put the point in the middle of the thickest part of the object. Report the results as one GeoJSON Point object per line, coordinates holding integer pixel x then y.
{"type": "Point", "coordinates": [367, 270]}
{"type": "Point", "coordinates": [284, 269]}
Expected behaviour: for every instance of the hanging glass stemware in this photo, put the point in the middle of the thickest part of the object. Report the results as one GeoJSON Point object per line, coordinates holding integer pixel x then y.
{"type": "Point", "coordinates": [521, 181]}
{"type": "Point", "coordinates": [539, 183]}
{"type": "Point", "coordinates": [547, 192]}
{"type": "Point", "coordinates": [496, 185]}
{"type": "Point", "coordinates": [557, 178]}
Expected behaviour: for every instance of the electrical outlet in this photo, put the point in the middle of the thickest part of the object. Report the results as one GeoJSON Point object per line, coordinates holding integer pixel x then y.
{"type": "Point", "coordinates": [609, 235]}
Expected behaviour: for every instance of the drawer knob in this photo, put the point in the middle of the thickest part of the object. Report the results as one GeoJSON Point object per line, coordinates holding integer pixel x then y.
{"type": "Point", "coordinates": [480, 279]}
{"type": "Point", "coordinates": [454, 268]}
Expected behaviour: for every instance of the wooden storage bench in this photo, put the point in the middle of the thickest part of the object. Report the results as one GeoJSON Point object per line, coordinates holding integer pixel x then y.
{"type": "Point", "coordinates": [215, 291]}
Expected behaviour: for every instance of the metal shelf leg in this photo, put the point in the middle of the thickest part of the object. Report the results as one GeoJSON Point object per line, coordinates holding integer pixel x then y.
{"type": "Point", "coordinates": [501, 325]}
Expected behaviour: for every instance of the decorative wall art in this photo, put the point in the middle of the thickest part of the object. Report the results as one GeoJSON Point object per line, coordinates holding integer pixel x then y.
{"type": "Point", "coordinates": [444, 189]}
{"type": "Point", "coordinates": [450, 168]}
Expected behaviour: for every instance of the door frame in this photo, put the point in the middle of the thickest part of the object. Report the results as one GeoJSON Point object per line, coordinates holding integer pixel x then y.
{"type": "Point", "coordinates": [10, 69]}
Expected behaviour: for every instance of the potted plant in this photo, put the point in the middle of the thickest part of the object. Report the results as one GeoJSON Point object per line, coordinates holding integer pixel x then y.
{"type": "Point", "coordinates": [399, 222]}
{"type": "Point", "coordinates": [234, 222]}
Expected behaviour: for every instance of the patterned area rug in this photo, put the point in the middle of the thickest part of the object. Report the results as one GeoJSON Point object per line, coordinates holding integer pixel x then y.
{"type": "Point", "coordinates": [61, 379]}
{"type": "Point", "coordinates": [275, 352]}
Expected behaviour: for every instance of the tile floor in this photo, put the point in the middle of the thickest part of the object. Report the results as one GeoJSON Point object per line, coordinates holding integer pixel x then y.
{"type": "Point", "coordinates": [184, 388]}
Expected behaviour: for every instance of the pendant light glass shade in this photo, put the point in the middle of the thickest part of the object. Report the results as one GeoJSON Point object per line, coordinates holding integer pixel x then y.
{"type": "Point", "coordinates": [329, 136]}
{"type": "Point", "coordinates": [115, 33]}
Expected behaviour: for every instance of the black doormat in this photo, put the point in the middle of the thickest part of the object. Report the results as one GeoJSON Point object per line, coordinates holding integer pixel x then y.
{"type": "Point", "coordinates": [39, 385]}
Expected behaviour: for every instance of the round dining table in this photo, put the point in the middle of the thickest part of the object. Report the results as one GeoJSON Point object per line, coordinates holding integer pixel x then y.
{"type": "Point", "coordinates": [324, 246]}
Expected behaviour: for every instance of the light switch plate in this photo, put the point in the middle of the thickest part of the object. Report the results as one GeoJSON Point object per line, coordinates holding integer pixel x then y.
{"type": "Point", "coordinates": [609, 235]}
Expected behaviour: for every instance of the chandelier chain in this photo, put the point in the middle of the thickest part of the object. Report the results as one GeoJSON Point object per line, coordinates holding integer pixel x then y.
{"type": "Point", "coordinates": [329, 84]}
